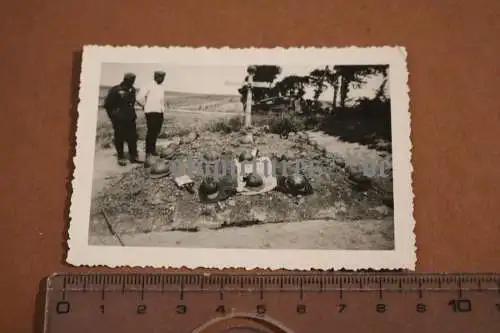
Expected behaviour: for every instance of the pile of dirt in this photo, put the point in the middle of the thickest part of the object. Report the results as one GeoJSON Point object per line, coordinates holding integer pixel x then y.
{"type": "Point", "coordinates": [138, 203]}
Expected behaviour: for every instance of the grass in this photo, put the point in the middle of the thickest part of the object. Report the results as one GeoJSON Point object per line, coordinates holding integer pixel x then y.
{"type": "Point", "coordinates": [369, 124]}
{"type": "Point", "coordinates": [226, 125]}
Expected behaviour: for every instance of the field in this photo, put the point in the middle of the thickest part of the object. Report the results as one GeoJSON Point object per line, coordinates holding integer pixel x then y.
{"type": "Point", "coordinates": [342, 213]}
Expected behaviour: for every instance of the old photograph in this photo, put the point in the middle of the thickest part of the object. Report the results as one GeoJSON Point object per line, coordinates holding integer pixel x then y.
{"type": "Point", "coordinates": [274, 158]}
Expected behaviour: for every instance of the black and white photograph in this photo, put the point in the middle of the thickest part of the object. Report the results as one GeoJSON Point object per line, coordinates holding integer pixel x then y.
{"type": "Point", "coordinates": [273, 158]}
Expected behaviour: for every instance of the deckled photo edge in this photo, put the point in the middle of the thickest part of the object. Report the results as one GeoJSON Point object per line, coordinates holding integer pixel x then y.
{"type": "Point", "coordinates": [76, 235]}
{"type": "Point", "coordinates": [80, 253]}
{"type": "Point", "coordinates": [402, 162]}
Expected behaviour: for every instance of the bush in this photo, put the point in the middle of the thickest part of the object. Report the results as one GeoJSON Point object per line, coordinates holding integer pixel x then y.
{"type": "Point", "coordinates": [286, 124]}
{"type": "Point", "coordinates": [233, 124]}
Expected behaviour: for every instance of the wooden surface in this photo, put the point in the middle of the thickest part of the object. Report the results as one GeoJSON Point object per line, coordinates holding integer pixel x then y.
{"type": "Point", "coordinates": [453, 55]}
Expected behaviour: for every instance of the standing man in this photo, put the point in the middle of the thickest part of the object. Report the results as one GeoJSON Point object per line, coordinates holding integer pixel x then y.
{"type": "Point", "coordinates": [243, 92]}
{"type": "Point", "coordinates": [119, 105]}
{"type": "Point", "coordinates": [152, 99]}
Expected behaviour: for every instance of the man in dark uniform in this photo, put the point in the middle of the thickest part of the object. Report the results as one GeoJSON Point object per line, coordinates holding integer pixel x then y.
{"type": "Point", "coordinates": [119, 105]}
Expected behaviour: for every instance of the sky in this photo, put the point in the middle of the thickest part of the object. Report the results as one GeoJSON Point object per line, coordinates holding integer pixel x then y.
{"type": "Point", "coordinates": [202, 80]}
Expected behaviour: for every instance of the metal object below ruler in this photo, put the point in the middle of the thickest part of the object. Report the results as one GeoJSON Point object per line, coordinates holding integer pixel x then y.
{"type": "Point", "coordinates": [277, 302]}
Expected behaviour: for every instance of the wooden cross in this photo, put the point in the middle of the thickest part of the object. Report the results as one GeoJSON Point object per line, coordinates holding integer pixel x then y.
{"type": "Point", "coordinates": [250, 84]}
{"type": "Point", "coordinates": [248, 111]}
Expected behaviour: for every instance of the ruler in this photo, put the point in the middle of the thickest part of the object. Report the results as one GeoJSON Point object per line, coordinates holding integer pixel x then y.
{"type": "Point", "coordinates": [272, 302]}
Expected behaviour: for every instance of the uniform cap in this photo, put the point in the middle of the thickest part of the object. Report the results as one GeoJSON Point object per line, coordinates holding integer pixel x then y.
{"type": "Point", "coordinates": [129, 76]}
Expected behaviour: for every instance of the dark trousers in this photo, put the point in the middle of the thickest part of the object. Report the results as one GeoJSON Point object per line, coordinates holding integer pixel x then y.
{"type": "Point", "coordinates": [154, 122]}
{"type": "Point", "coordinates": [125, 131]}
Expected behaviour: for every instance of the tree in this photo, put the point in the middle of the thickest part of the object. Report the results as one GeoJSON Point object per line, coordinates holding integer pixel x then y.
{"type": "Point", "coordinates": [289, 84]}
{"type": "Point", "coordinates": [266, 73]}
{"type": "Point", "coordinates": [355, 74]}
{"type": "Point", "coordinates": [261, 73]}
{"type": "Point", "coordinates": [321, 78]}
{"type": "Point", "coordinates": [380, 95]}
{"type": "Point", "coordinates": [318, 79]}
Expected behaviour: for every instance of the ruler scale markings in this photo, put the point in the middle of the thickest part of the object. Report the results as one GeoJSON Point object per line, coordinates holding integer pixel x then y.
{"type": "Point", "coordinates": [329, 282]}
{"type": "Point", "coordinates": [301, 291]}
{"type": "Point", "coordinates": [261, 289]}
{"type": "Point", "coordinates": [103, 289]}
{"type": "Point", "coordinates": [181, 295]}
{"type": "Point", "coordinates": [110, 279]}
{"type": "Point", "coordinates": [202, 283]}
{"type": "Point", "coordinates": [151, 280]}
{"type": "Point", "coordinates": [65, 282]}
{"type": "Point", "coordinates": [221, 289]}
{"type": "Point", "coordinates": [466, 285]}
{"type": "Point", "coordinates": [123, 283]}
{"type": "Point", "coordinates": [143, 287]}
{"type": "Point", "coordinates": [163, 280]}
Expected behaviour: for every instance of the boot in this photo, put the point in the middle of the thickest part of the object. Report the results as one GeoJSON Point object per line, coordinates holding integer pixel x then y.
{"type": "Point", "coordinates": [134, 159]}
{"type": "Point", "coordinates": [149, 160]}
{"type": "Point", "coordinates": [122, 161]}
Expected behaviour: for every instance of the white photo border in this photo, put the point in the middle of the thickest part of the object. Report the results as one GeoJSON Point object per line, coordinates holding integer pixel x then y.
{"type": "Point", "coordinates": [80, 253]}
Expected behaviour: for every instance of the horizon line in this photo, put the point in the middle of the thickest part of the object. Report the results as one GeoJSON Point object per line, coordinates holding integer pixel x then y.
{"type": "Point", "coordinates": [179, 92]}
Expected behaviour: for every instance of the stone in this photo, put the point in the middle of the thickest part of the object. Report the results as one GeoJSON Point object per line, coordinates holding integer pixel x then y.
{"type": "Point", "coordinates": [157, 199]}
{"type": "Point", "coordinates": [167, 153]}
{"type": "Point", "coordinates": [210, 156]}
{"type": "Point", "coordinates": [257, 215]}
{"type": "Point", "coordinates": [339, 161]}
{"type": "Point", "coordinates": [313, 143]}
{"type": "Point", "coordinates": [221, 206]}
{"type": "Point", "coordinates": [382, 210]}
{"type": "Point", "coordinates": [193, 136]}
{"type": "Point", "coordinates": [288, 156]}
{"type": "Point", "coordinates": [247, 138]}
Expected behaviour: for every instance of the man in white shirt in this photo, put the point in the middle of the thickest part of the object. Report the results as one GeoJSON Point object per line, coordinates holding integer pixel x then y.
{"type": "Point", "coordinates": [152, 99]}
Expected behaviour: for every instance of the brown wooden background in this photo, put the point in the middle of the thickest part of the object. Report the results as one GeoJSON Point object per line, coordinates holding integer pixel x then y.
{"type": "Point", "coordinates": [454, 68]}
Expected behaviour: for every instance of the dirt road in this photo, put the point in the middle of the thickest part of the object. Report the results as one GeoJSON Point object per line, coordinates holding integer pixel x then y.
{"type": "Point", "coordinates": [321, 234]}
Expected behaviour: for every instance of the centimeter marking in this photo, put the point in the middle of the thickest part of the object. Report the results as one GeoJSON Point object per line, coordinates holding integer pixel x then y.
{"type": "Point", "coordinates": [262, 283]}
